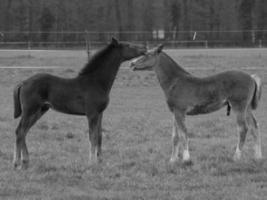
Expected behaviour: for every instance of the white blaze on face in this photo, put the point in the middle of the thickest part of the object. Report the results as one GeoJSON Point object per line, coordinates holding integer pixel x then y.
{"type": "Point", "coordinates": [134, 61]}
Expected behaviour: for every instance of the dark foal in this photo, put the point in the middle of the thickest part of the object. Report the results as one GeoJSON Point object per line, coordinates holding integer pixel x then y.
{"type": "Point", "coordinates": [190, 95]}
{"type": "Point", "coordinates": [87, 94]}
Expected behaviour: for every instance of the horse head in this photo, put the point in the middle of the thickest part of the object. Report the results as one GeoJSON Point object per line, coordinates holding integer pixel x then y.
{"type": "Point", "coordinates": [128, 50]}
{"type": "Point", "coordinates": [147, 61]}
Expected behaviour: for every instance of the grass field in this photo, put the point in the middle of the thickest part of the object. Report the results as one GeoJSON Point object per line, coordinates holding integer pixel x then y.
{"type": "Point", "coordinates": [136, 138]}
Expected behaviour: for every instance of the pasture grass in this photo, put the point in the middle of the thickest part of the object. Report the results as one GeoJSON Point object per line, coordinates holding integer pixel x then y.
{"type": "Point", "coordinates": [136, 138]}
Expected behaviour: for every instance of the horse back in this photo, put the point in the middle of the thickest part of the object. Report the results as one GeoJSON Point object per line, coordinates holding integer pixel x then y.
{"type": "Point", "coordinates": [66, 95]}
{"type": "Point", "coordinates": [237, 85]}
{"type": "Point", "coordinates": [197, 95]}
{"type": "Point", "coordinates": [226, 84]}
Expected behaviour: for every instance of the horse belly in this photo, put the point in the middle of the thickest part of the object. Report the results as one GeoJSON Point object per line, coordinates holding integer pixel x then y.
{"type": "Point", "coordinates": [68, 110]}
{"type": "Point", "coordinates": [70, 105]}
{"type": "Point", "coordinates": [205, 108]}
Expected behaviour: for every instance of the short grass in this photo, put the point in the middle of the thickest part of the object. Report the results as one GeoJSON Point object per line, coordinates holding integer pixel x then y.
{"type": "Point", "coordinates": [136, 138]}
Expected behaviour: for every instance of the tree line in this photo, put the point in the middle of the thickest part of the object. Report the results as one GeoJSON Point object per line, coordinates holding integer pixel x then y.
{"type": "Point", "coordinates": [212, 19]}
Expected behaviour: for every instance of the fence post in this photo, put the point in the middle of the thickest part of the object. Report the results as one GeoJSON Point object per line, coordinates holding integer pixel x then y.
{"type": "Point", "coordinates": [29, 48]}
{"type": "Point", "coordinates": [87, 43]}
{"type": "Point", "coordinates": [206, 44]}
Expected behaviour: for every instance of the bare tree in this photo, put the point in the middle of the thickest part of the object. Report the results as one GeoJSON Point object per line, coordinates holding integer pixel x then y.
{"type": "Point", "coordinates": [118, 18]}
{"type": "Point", "coordinates": [175, 11]}
{"type": "Point", "coordinates": [245, 17]}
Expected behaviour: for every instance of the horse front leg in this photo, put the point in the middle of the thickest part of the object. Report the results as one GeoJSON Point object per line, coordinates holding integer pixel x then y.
{"type": "Point", "coordinates": [95, 137]}
{"type": "Point", "coordinates": [242, 127]}
{"type": "Point", "coordinates": [175, 142]}
{"type": "Point", "coordinates": [28, 119]}
{"type": "Point", "coordinates": [180, 120]}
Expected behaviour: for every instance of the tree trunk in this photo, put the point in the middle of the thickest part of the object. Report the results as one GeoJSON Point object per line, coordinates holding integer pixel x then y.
{"type": "Point", "coordinates": [130, 25]}
{"type": "Point", "coordinates": [186, 23]}
{"type": "Point", "coordinates": [212, 18]}
{"type": "Point", "coordinates": [245, 18]}
{"type": "Point", "coordinates": [8, 14]}
{"type": "Point", "coordinates": [118, 18]}
{"type": "Point", "coordinates": [29, 19]}
{"type": "Point", "coordinates": [175, 18]}
{"type": "Point", "coordinates": [261, 19]}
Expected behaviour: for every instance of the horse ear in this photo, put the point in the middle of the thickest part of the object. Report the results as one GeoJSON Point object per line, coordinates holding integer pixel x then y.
{"type": "Point", "coordinates": [114, 41]}
{"type": "Point", "coordinates": [159, 48]}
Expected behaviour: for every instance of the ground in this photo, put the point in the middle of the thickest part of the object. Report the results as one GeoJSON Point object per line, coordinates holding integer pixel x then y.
{"type": "Point", "coordinates": [136, 139]}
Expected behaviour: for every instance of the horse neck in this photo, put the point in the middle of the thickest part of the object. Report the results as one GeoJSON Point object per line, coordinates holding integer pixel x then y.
{"type": "Point", "coordinates": [168, 70]}
{"type": "Point", "coordinates": [107, 74]}
{"type": "Point", "coordinates": [107, 70]}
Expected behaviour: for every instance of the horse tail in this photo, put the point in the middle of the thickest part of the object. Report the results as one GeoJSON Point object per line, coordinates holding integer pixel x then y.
{"type": "Point", "coordinates": [17, 104]}
{"type": "Point", "coordinates": [228, 108]}
{"type": "Point", "coordinates": [257, 91]}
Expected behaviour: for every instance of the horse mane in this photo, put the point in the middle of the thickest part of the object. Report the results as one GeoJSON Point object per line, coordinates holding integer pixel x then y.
{"type": "Point", "coordinates": [96, 61]}
{"type": "Point", "coordinates": [177, 66]}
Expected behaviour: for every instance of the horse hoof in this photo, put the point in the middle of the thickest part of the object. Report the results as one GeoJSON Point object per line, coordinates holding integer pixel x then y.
{"type": "Point", "coordinates": [173, 160]}
{"type": "Point", "coordinates": [258, 159]}
{"type": "Point", "coordinates": [187, 163]}
{"type": "Point", "coordinates": [94, 162]}
{"type": "Point", "coordinates": [99, 160]}
{"type": "Point", "coordinates": [236, 158]}
{"type": "Point", "coordinates": [258, 156]}
{"type": "Point", "coordinates": [24, 164]}
{"type": "Point", "coordinates": [16, 165]}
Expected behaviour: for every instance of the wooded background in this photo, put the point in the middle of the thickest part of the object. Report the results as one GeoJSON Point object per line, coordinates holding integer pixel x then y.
{"type": "Point", "coordinates": [240, 22]}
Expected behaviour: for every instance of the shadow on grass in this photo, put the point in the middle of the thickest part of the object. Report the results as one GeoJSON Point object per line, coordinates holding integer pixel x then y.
{"type": "Point", "coordinates": [9, 193]}
{"type": "Point", "coordinates": [243, 167]}
{"type": "Point", "coordinates": [211, 128]}
{"type": "Point", "coordinates": [218, 161]}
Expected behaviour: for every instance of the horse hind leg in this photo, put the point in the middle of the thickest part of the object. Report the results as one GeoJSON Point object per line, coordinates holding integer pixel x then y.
{"type": "Point", "coordinates": [21, 155]}
{"type": "Point", "coordinates": [256, 134]}
{"type": "Point", "coordinates": [175, 143]}
{"type": "Point", "coordinates": [17, 148]}
{"type": "Point", "coordinates": [242, 130]}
